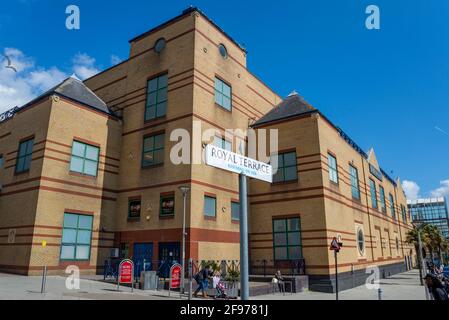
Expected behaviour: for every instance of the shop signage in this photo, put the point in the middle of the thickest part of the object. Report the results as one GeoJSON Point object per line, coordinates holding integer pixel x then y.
{"type": "Point", "coordinates": [126, 270]}
{"type": "Point", "coordinates": [230, 161]}
{"type": "Point", "coordinates": [373, 170]}
{"type": "Point", "coordinates": [175, 276]}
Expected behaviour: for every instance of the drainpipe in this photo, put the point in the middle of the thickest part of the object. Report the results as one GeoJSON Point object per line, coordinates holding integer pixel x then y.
{"type": "Point", "coordinates": [367, 209]}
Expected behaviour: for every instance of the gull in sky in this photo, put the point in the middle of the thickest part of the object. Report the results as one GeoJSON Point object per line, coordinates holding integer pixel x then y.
{"type": "Point", "coordinates": [9, 65]}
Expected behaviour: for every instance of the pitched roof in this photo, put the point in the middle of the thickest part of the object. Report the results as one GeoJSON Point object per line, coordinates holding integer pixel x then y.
{"type": "Point", "coordinates": [291, 106]}
{"type": "Point", "coordinates": [74, 89]}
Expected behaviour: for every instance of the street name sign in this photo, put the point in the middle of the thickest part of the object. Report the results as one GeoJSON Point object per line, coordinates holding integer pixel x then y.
{"type": "Point", "coordinates": [230, 161]}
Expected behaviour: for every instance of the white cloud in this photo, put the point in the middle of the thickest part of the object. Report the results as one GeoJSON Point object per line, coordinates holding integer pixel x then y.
{"type": "Point", "coordinates": [411, 189]}
{"type": "Point", "coordinates": [442, 191]}
{"type": "Point", "coordinates": [115, 60]}
{"type": "Point", "coordinates": [31, 80]}
{"type": "Point", "coordinates": [84, 66]}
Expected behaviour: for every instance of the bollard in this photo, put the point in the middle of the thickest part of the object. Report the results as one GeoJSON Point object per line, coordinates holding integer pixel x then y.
{"type": "Point", "coordinates": [44, 279]}
{"type": "Point", "coordinates": [190, 278]}
{"type": "Point", "coordinates": [379, 293]}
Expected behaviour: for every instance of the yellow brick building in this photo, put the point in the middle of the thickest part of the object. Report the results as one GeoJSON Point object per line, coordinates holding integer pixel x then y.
{"type": "Point", "coordinates": [86, 168]}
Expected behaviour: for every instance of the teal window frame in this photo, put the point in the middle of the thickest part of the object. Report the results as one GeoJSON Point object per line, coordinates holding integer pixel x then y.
{"type": "Point", "coordinates": [152, 149]}
{"type": "Point", "coordinates": [1, 160]}
{"type": "Point", "coordinates": [157, 97]}
{"type": "Point", "coordinates": [222, 143]}
{"type": "Point", "coordinates": [77, 229]}
{"type": "Point", "coordinates": [392, 209]}
{"type": "Point", "coordinates": [208, 214]}
{"type": "Point", "coordinates": [333, 168]}
{"type": "Point", "coordinates": [404, 213]}
{"type": "Point", "coordinates": [84, 157]}
{"type": "Point", "coordinates": [24, 155]}
{"type": "Point", "coordinates": [286, 232]}
{"type": "Point", "coordinates": [383, 204]}
{"type": "Point", "coordinates": [373, 192]}
{"type": "Point", "coordinates": [223, 94]}
{"type": "Point", "coordinates": [354, 179]}
{"type": "Point", "coordinates": [166, 197]}
{"type": "Point", "coordinates": [279, 176]}
{"type": "Point", "coordinates": [235, 211]}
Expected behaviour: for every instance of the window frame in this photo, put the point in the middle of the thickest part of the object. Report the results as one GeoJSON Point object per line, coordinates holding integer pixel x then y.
{"type": "Point", "coordinates": [383, 202]}
{"type": "Point", "coordinates": [218, 93]}
{"type": "Point", "coordinates": [84, 159]}
{"type": "Point", "coordinates": [332, 169]}
{"type": "Point", "coordinates": [1, 160]}
{"type": "Point", "coordinates": [28, 156]}
{"type": "Point", "coordinates": [283, 167]}
{"type": "Point", "coordinates": [363, 242]}
{"type": "Point", "coordinates": [208, 196]}
{"type": "Point", "coordinates": [163, 197]}
{"type": "Point", "coordinates": [356, 179]}
{"type": "Point", "coordinates": [233, 203]}
{"type": "Point", "coordinates": [373, 194]}
{"type": "Point", "coordinates": [134, 199]}
{"type": "Point", "coordinates": [287, 232]}
{"type": "Point", "coordinates": [224, 143]}
{"type": "Point", "coordinates": [153, 150]}
{"type": "Point", "coordinates": [148, 106]}
{"type": "Point", "coordinates": [392, 206]}
{"type": "Point", "coordinates": [75, 244]}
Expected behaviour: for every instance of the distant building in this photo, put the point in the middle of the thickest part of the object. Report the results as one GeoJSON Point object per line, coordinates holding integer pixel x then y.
{"type": "Point", "coordinates": [432, 211]}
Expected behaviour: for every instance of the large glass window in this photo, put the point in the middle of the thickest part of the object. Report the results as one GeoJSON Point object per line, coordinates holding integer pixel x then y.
{"type": "Point", "coordinates": [372, 187]}
{"type": "Point", "coordinates": [287, 167]}
{"type": "Point", "coordinates": [235, 211]}
{"type": "Point", "coordinates": [333, 171]}
{"type": "Point", "coordinates": [76, 237]}
{"type": "Point", "coordinates": [24, 155]}
{"type": "Point", "coordinates": [383, 204]}
{"type": "Point", "coordinates": [393, 211]}
{"type": "Point", "coordinates": [223, 94]}
{"type": "Point", "coordinates": [153, 150]}
{"type": "Point", "coordinates": [156, 105]}
{"type": "Point", "coordinates": [287, 239]}
{"type": "Point", "coordinates": [222, 143]}
{"type": "Point", "coordinates": [84, 158]}
{"type": "Point", "coordinates": [354, 175]}
{"type": "Point", "coordinates": [210, 206]}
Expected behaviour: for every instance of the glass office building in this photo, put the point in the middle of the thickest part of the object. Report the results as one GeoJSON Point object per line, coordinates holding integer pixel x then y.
{"type": "Point", "coordinates": [432, 211]}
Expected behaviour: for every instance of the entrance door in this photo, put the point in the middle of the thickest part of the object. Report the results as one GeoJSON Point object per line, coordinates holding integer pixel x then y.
{"type": "Point", "coordinates": [169, 252]}
{"type": "Point", "coordinates": [142, 257]}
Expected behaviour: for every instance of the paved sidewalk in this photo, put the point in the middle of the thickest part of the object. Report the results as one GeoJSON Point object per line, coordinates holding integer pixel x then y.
{"type": "Point", "coordinates": [403, 286]}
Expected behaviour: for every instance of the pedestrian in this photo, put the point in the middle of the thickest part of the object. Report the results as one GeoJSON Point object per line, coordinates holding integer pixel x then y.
{"type": "Point", "coordinates": [280, 280]}
{"type": "Point", "coordinates": [201, 279]}
{"type": "Point", "coordinates": [435, 287]}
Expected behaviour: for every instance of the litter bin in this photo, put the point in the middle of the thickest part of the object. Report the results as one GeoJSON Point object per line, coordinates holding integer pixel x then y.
{"type": "Point", "coordinates": [149, 280]}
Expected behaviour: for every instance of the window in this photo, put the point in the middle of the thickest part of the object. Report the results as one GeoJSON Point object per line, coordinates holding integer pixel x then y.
{"type": "Point", "coordinates": [76, 237]}
{"type": "Point", "coordinates": [134, 208]}
{"type": "Point", "coordinates": [223, 51]}
{"type": "Point", "coordinates": [235, 211]}
{"type": "Point", "coordinates": [160, 45]}
{"type": "Point", "coordinates": [361, 241]}
{"type": "Point", "coordinates": [333, 171]}
{"type": "Point", "coordinates": [287, 170]}
{"type": "Point", "coordinates": [355, 190]}
{"type": "Point", "coordinates": [393, 211]}
{"type": "Point", "coordinates": [156, 105]}
{"type": "Point", "coordinates": [222, 143]}
{"type": "Point", "coordinates": [404, 213]}
{"type": "Point", "coordinates": [153, 150]}
{"type": "Point", "coordinates": [84, 159]}
{"type": "Point", "coordinates": [383, 204]}
{"type": "Point", "coordinates": [210, 206]}
{"type": "Point", "coordinates": [167, 205]}
{"type": "Point", "coordinates": [287, 239]}
{"type": "Point", "coordinates": [372, 187]}
{"type": "Point", "coordinates": [124, 250]}
{"type": "Point", "coordinates": [24, 155]}
{"type": "Point", "coordinates": [1, 160]}
{"type": "Point", "coordinates": [223, 94]}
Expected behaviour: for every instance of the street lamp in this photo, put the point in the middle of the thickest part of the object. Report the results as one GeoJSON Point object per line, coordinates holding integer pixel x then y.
{"type": "Point", "coordinates": [184, 190]}
{"type": "Point", "coordinates": [422, 267]}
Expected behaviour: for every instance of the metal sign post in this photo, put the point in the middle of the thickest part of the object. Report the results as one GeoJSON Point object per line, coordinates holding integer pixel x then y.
{"type": "Point", "coordinates": [336, 246]}
{"type": "Point", "coordinates": [190, 277]}
{"type": "Point", "coordinates": [44, 272]}
{"type": "Point", "coordinates": [244, 276]}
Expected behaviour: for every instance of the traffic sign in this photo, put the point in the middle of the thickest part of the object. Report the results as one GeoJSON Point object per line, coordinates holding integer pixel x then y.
{"type": "Point", "coordinates": [335, 245]}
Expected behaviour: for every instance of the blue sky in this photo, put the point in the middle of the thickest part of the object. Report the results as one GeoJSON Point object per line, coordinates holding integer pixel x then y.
{"type": "Point", "coordinates": [386, 88]}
